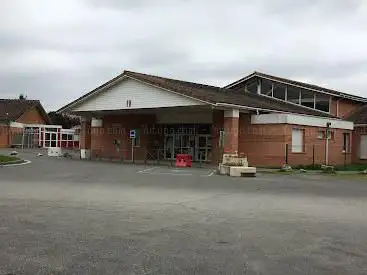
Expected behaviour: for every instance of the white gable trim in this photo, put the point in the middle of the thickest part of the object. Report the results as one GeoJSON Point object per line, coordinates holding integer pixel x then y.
{"type": "Point", "coordinates": [301, 120]}
{"type": "Point", "coordinates": [164, 89]}
{"type": "Point", "coordinates": [131, 94]}
{"type": "Point", "coordinates": [119, 80]}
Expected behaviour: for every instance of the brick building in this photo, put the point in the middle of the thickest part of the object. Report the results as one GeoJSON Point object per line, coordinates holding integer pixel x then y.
{"type": "Point", "coordinates": [16, 112]}
{"type": "Point", "coordinates": [270, 120]}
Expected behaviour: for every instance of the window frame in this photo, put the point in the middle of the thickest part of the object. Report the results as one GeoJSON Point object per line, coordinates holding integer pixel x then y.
{"type": "Point", "coordinates": [302, 130]}
{"type": "Point", "coordinates": [347, 148]}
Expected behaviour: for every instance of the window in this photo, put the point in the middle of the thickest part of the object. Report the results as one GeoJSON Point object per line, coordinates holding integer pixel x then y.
{"type": "Point", "coordinates": [279, 91]}
{"type": "Point", "coordinates": [346, 142]}
{"type": "Point", "coordinates": [321, 134]}
{"type": "Point", "coordinates": [298, 140]}
{"type": "Point", "coordinates": [307, 98]}
{"type": "Point", "coordinates": [322, 102]}
{"type": "Point", "coordinates": [363, 147]}
{"type": "Point", "coordinates": [266, 88]}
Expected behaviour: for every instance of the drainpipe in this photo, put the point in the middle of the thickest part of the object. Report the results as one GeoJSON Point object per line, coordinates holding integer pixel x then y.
{"type": "Point", "coordinates": [328, 124]}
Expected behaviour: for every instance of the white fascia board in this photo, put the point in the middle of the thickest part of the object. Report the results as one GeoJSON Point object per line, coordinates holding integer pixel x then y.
{"type": "Point", "coordinates": [301, 120]}
{"type": "Point", "coordinates": [232, 113]}
{"type": "Point", "coordinates": [43, 125]}
{"type": "Point", "coordinates": [16, 125]}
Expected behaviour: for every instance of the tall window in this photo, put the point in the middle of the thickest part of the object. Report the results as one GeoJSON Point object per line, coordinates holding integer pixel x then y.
{"type": "Point", "coordinates": [298, 140]}
{"type": "Point", "coordinates": [346, 142]}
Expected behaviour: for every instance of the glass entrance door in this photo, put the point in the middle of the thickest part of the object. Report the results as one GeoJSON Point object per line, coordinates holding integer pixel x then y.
{"type": "Point", "coordinates": [203, 148]}
{"type": "Point", "coordinates": [199, 146]}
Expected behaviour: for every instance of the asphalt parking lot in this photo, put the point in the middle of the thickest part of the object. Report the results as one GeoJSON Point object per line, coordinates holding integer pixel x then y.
{"type": "Point", "coordinates": [61, 216]}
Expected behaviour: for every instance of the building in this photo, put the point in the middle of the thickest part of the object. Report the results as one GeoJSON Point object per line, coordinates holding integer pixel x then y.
{"type": "Point", "coordinates": [359, 135]}
{"type": "Point", "coordinates": [270, 120]}
{"type": "Point", "coordinates": [25, 123]}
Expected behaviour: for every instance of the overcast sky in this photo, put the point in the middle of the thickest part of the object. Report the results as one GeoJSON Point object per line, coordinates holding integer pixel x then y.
{"type": "Point", "coordinates": [56, 51]}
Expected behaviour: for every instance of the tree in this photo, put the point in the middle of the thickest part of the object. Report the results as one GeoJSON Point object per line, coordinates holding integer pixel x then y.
{"type": "Point", "coordinates": [66, 121]}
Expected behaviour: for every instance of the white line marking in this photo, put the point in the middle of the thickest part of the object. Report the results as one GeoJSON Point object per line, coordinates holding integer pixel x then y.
{"type": "Point", "coordinates": [162, 173]}
{"type": "Point", "coordinates": [17, 164]}
{"type": "Point", "coordinates": [209, 175]}
{"type": "Point", "coordinates": [146, 170]}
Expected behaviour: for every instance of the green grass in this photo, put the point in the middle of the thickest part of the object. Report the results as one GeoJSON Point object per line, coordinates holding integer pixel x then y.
{"type": "Point", "coordinates": [349, 167]}
{"type": "Point", "coordinates": [352, 167]}
{"type": "Point", "coordinates": [5, 159]}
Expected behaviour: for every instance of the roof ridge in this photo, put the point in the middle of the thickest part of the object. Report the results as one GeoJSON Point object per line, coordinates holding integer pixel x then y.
{"type": "Point", "coordinates": [173, 79]}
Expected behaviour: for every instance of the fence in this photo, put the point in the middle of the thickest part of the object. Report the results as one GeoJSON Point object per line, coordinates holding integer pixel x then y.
{"type": "Point", "coordinates": [26, 138]}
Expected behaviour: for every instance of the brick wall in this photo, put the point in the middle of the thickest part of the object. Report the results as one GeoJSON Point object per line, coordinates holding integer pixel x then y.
{"type": "Point", "coordinates": [218, 123]}
{"type": "Point", "coordinates": [118, 127]}
{"type": "Point", "coordinates": [32, 116]}
{"type": "Point", "coordinates": [315, 148]}
{"type": "Point", "coordinates": [4, 136]}
{"type": "Point", "coordinates": [345, 107]}
{"type": "Point", "coordinates": [265, 145]}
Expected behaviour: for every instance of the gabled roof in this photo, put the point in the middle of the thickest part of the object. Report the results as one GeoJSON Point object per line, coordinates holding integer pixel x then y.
{"type": "Point", "coordinates": [13, 109]}
{"type": "Point", "coordinates": [209, 94]}
{"type": "Point", "coordinates": [299, 84]}
{"type": "Point", "coordinates": [359, 116]}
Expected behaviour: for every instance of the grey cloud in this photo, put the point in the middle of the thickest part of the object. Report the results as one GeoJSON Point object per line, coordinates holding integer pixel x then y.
{"type": "Point", "coordinates": [208, 41]}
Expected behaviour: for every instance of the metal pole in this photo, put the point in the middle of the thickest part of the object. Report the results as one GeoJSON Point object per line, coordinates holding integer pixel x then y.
{"type": "Point", "coordinates": [313, 155]}
{"type": "Point", "coordinates": [327, 150]}
{"type": "Point", "coordinates": [286, 154]}
{"type": "Point", "coordinates": [327, 143]}
{"type": "Point", "coordinates": [345, 157]}
{"type": "Point", "coordinates": [132, 150]}
{"type": "Point", "coordinates": [23, 140]}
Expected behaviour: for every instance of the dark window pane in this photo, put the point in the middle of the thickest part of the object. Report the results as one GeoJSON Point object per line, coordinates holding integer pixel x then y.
{"type": "Point", "coordinates": [293, 95]}
{"type": "Point", "coordinates": [266, 87]}
{"type": "Point", "coordinates": [279, 91]}
{"type": "Point", "coordinates": [322, 102]}
{"type": "Point", "coordinates": [307, 98]}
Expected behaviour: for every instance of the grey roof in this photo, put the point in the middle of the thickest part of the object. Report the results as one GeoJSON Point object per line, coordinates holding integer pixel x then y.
{"type": "Point", "coordinates": [13, 109]}
{"type": "Point", "coordinates": [209, 94]}
{"type": "Point", "coordinates": [298, 83]}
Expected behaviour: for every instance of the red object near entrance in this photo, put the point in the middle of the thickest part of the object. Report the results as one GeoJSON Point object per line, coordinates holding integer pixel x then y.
{"type": "Point", "coordinates": [183, 160]}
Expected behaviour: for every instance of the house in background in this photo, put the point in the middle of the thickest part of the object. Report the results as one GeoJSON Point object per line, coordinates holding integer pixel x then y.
{"type": "Point", "coordinates": [25, 123]}
{"type": "Point", "coordinates": [270, 120]}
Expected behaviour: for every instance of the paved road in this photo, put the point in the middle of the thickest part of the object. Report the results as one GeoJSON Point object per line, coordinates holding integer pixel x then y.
{"type": "Point", "coordinates": [73, 217]}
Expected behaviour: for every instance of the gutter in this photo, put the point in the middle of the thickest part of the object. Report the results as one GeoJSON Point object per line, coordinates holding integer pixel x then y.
{"type": "Point", "coordinates": [219, 104]}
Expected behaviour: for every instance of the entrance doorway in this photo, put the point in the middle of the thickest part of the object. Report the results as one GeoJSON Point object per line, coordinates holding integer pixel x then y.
{"type": "Point", "coordinates": [196, 144]}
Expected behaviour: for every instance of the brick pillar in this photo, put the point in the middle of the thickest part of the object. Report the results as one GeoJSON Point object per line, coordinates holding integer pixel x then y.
{"type": "Point", "coordinates": [217, 126]}
{"type": "Point", "coordinates": [231, 130]}
{"type": "Point", "coordinates": [85, 138]}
